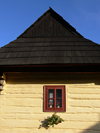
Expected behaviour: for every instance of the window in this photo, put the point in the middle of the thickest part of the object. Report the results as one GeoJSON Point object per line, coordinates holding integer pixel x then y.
{"type": "Point", "coordinates": [54, 98]}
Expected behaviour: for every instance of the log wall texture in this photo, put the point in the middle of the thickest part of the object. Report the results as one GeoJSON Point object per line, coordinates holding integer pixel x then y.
{"type": "Point", "coordinates": [21, 103]}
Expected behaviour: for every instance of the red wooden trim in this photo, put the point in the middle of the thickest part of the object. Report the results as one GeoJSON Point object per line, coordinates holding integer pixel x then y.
{"type": "Point", "coordinates": [44, 99]}
{"type": "Point", "coordinates": [55, 87]}
{"type": "Point", "coordinates": [54, 98]}
{"type": "Point", "coordinates": [47, 98]}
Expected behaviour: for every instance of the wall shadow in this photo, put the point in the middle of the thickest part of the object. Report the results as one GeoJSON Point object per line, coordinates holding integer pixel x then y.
{"type": "Point", "coordinates": [51, 78]}
{"type": "Point", "coordinates": [93, 129]}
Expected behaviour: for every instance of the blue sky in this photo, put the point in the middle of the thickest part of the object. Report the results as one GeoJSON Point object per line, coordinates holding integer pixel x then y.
{"type": "Point", "coordinates": [17, 15]}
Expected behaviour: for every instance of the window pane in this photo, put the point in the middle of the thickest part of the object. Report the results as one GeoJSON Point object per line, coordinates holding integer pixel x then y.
{"type": "Point", "coordinates": [58, 103]}
{"type": "Point", "coordinates": [58, 93]}
{"type": "Point", "coordinates": [51, 93]}
{"type": "Point", "coordinates": [50, 103]}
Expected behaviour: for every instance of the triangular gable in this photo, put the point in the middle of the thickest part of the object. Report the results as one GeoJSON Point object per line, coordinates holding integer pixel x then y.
{"type": "Point", "coordinates": [50, 24]}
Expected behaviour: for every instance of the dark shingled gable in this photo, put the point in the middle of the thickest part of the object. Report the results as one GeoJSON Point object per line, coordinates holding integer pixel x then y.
{"type": "Point", "coordinates": [50, 41]}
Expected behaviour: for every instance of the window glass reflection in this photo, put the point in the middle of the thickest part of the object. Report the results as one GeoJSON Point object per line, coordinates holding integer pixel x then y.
{"type": "Point", "coordinates": [51, 93]}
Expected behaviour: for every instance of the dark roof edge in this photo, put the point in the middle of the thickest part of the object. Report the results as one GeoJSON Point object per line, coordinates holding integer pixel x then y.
{"type": "Point", "coordinates": [54, 68]}
{"type": "Point", "coordinates": [53, 13]}
{"type": "Point", "coordinates": [52, 65]}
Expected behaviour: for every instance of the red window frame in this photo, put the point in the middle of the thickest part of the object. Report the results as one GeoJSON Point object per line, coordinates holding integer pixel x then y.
{"type": "Point", "coordinates": [54, 109]}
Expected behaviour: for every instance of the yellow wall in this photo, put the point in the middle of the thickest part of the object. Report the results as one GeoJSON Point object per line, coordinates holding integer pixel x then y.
{"type": "Point", "coordinates": [21, 103]}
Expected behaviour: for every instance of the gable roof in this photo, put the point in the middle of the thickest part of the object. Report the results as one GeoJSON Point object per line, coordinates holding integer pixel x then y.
{"type": "Point", "coordinates": [50, 40]}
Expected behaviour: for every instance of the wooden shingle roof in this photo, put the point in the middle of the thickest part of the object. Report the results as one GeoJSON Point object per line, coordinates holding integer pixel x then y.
{"type": "Point", "coordinates": [50, 40]}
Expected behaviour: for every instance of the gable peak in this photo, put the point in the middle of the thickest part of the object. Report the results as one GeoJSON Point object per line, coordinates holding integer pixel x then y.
{"type": "Point", "coordinates": [60, 24]}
